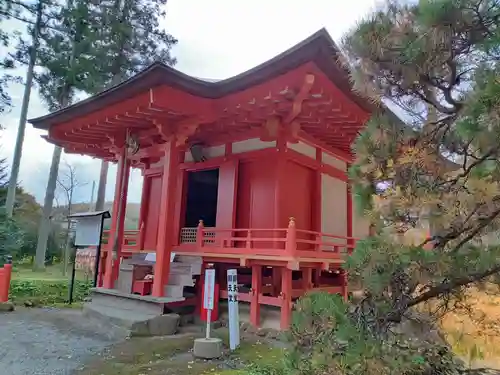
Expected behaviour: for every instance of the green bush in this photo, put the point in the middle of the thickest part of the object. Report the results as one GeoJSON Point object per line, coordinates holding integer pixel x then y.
{"type": "Point", "coordinates": [327, 337]}
{"type": "Point", "coordinates": [46, 293]}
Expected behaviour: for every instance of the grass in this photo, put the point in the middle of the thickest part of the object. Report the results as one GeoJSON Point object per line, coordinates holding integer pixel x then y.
{"type": "Point", "coordinates": [51, 273]}
{"type": "Point", "coordinates": [46, 288]}
{"type": "Point", "coordinates": [172, 356]}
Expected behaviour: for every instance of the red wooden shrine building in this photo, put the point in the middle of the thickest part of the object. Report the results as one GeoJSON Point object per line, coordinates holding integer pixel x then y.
{"type": "Point", "coordinates": [247, 172]}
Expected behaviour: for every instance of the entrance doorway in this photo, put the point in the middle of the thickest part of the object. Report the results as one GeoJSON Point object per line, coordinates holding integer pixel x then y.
{"type": "Point", "coordinates": [201, 202]}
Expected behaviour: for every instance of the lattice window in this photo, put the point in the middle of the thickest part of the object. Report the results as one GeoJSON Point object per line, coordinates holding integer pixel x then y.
{"type": "Point", "coordinates": [209, 238]}
{"type": "Point", "coordinates": [188, 235]}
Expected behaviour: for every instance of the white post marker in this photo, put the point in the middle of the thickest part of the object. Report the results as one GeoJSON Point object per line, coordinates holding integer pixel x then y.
{"type": "Point", "coordinates": [208, 296]}
{"type": "Point", "coordinates": [233, 309]}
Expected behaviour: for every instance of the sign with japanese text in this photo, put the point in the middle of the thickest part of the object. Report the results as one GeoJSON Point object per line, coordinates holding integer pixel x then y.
{"type": "Point", "coordinates": [233, 309]}
{"type": "Point", "coordinates": [208, 295]}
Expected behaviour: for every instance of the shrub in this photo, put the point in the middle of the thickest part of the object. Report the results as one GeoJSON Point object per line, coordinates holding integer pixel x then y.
{"type": "Point", "coordinates": [46, 293]}
{"type": "Point", "coordinates": [328, 337]}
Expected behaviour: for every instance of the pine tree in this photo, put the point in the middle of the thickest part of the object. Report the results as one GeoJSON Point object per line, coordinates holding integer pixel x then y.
{"type": "Point", "coordinates": [437, 60]}
{"type": "Point", "coordinates": [66, 55]}
{"type": "Point", "coordinates": [131, 39]}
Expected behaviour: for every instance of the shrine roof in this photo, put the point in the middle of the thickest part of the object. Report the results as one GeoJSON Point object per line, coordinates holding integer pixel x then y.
{"type": "Point", "coordinates": [319, 48]}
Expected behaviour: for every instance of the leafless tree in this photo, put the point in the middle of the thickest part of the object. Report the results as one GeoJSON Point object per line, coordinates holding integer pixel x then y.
{"type": "Point", "coordinates": [67, 184]}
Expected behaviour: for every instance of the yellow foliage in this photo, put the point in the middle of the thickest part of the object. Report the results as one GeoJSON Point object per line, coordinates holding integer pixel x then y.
{"type": "Point", "coordinates": [478, 330]}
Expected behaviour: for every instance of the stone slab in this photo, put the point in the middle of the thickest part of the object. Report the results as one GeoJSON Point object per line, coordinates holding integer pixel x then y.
{"type": "Point", "coordinates": [207, 348]}
{"type": "Point", "coordinates": [6, 307]}
{"type": "Point", "coordinates": [137, 324]}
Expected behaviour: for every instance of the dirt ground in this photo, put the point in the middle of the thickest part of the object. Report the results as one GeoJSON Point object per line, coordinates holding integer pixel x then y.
{"type": "Point", "coordinates": [50, 341]}
{"type": "Point", "coordinates": [64, 342]}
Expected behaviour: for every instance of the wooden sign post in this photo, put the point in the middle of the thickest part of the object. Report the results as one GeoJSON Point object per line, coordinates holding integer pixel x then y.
{"type": "Point", "coordinates": [208, 296]}
{"type": "Point", "coordinates": [233, 309]}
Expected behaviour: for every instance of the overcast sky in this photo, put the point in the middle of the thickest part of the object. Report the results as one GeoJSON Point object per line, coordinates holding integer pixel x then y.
{"type": "Point", "coordinates": [217, 39]}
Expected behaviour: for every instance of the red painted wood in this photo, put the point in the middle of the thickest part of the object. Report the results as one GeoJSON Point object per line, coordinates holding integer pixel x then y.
{"type": "Point", "coordinates": [255, 293]}
{"type": "Point", "coordinates": [166, 221]}
{"type": "Point", "coordinates": [180, 205]}
{"type": "Point", "coordinates": [297, 197]}
{"type": "Point", "coordinates": [5, 277]}
{"type": "Point", "coordinates": [227, 194]}
{"type": "Point", "coordinates": [255, 204]}
{"type": "Point", "coordinates": [286, 298]}
{"type": "Point", "coordinates": [145, 198]}
{"type": "Point", "coordinates": [153, 212]}
{"type": "Point", "coordinates": [120, 170]}
{"type": "Point", "coordinates": [121, 227]}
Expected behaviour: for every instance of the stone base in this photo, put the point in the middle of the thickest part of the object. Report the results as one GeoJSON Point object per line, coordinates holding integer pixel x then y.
{"type": "Point", "coordinates": [207, 348]}
{"type": "Point", "coordinates": [6, 306]}
{"type": "Point", "coordinates": [134, 322]}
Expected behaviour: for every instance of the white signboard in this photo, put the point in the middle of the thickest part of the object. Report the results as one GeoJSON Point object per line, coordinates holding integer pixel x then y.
{"type": "Point", "coordinates": [208, 295]}
{"type": "Point", "coordinates": [233, 309]}
{"type": "Point", "coordinates": [88, 231]}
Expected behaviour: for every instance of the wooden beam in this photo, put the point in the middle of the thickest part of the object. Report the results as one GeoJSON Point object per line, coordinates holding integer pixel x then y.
{"type": "Point", "coordinates": [299, 99]}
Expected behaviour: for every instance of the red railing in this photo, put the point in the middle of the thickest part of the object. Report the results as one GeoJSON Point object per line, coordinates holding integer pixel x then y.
{"type": "Point", "coordinates": [289, 241]}
{"type": "Point", "coordinates": [274, 242]}
{"type": "Point", "coordinates": [130, 240]}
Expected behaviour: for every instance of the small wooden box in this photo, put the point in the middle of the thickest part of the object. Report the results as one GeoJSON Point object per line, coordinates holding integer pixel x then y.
{"type": "Point", "coordinates": [142, 287]}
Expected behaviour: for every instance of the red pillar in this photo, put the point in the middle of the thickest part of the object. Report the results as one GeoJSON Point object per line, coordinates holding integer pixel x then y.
{"type": "Point", "coordinates": [121, 220]}
{"type": "Point", "coordinates": [307, 283]}
{"type": "Point", "coordinates": [145, 196]}
{"type": "Point", "coordinates": [286, 298]}
{"type": "Point", "coordinates": [256, 290]}
{"type": "Point", "coordinates": [122, 174]}
{"type": "Point", "coordinates": [166, 220]}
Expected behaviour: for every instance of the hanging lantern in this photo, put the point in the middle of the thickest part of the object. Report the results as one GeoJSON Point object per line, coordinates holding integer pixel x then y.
{"type": "Point", "coordinates": [197, 153]}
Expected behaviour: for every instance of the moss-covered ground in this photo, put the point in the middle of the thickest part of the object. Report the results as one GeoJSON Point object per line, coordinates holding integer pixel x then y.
{"type": "Point", "coordinates": [172, 356]}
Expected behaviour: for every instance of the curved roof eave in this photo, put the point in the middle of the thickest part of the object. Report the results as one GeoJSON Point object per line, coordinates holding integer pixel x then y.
{"type": "Point", "coordinates": [319, 48]}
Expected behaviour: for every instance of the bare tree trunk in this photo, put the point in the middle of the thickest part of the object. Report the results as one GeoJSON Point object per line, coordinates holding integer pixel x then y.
{"type": "Point", "coordinates": [18, 150]}
{"type": "Point", "coordinates": [44, 228]}
{"type": "Point", "coordinates": [101, 189]}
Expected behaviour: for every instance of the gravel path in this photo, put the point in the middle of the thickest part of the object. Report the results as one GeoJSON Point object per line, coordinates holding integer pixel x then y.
{"type": "Point", "coordinates": [50, 341]}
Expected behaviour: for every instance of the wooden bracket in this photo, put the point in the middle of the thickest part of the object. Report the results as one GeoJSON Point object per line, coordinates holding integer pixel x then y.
{"type": "Point", "coordinates": [163, 130]}
{"type": "Point", "coordinates": [299, 98]}
{"type": "Point", "coordinates": [185, 129]}
{"type": "Point", "coordinates": [270, 129]}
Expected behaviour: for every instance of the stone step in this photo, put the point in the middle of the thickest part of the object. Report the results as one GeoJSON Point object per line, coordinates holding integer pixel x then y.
{"type": "Point", "coordinates": [180, 279]}
{"type": "Point", "coordinates": [194, 269]}
{"type": "Point", "coordinates": [135, 323]}
{"type": "Point", "coordinates": [189, 259]}
{"type": "Point", "coordinates": [174, 291]}
{"type": "Point", "coordinates": [130, 303]}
